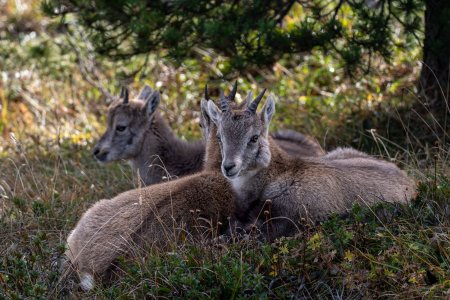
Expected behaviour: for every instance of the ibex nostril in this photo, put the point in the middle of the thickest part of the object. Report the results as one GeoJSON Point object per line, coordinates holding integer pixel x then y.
{"type": "Point", "coordinates": [100, 154]}
{"type": "Point", "coordinates": [229, 167]}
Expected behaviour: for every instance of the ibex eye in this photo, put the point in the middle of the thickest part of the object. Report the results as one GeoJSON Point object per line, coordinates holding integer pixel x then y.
{"type": "Point", "coordinates": [120, 128]}
{"type": "Point", "coordinates": [254, 139]}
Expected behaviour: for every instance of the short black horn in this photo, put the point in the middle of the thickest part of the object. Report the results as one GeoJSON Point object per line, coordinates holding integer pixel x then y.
{"type": "Point", "coordinates": [233, 92]}
{"type": "Point", "coordinates": [223, 102]}
{"type": "Point", "coordinates": [254, 104]}
{"type": "Point", "coordinates": [206, 92]}
{"type": "Point", "coordinates": [124, 94]}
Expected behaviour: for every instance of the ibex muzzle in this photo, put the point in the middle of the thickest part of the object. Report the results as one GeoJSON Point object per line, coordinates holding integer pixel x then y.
{"type": "Point", "coordinates": [101, 154]}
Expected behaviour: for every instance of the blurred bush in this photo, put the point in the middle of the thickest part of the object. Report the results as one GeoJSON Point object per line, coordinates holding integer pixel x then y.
{"type": "Point", "coordinates": [44, 99]}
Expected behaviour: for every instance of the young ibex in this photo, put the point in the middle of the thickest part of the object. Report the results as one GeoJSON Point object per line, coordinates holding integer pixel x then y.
{"type": "Point", "coordinates": [294, 188]}
{"type": "Point", "coordinates": [157, 214]}
{"type": "Point", "coordinates": [136, 132]}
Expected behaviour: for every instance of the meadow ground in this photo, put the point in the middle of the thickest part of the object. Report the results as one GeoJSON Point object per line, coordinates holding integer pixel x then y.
{"type": "Point", "coordinates": [50, 117]}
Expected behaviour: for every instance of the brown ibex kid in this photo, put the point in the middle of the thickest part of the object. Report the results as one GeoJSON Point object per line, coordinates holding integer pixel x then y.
{"type": "Point", "coordinates": [310, 188]}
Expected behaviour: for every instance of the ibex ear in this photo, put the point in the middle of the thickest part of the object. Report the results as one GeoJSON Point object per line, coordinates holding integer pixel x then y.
{"type": "Point", "coordinates": [145, 92]}
{"type": "Point", "coordinates": [152, 103]}
{"type": "Point", "coordinates": [206, 120]}
{"type": "Point", "coordinates": [268, 110]}
{"type": "Point", "coordinates": [214, 112]}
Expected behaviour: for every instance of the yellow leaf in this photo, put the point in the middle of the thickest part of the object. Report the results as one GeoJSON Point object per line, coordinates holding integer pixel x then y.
{"type": "Point", "coordinates": [315, 241]}
{"type": "Point", "coordinates": [388, 273]}
{"type": "Point", "coordinates": [284, 249]}
{"type": "Point", "coordinates": [412, 279]}
{"type": "Point", "coordinates": [349, 256]}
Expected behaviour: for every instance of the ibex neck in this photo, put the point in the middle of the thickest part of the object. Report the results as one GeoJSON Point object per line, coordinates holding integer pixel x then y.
{"type": "Point", "coordinates": [279, 157]}
{"type": "Point", "coordinates": [165, 155]}
{"type": "Point", "coordinates": [213, 156]}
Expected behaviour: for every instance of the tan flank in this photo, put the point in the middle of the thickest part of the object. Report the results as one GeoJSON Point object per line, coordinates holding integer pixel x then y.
{"type": "Point", "coordinates": [296, 188]}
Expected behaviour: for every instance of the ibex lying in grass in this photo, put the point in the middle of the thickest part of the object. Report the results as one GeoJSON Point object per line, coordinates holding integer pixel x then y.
{"type": "Point", "coordinates": [295, 188]}
{"type": "Point", "coordinates": [157, 214]}
{"type": "Point", "coordinates": [137, 132]}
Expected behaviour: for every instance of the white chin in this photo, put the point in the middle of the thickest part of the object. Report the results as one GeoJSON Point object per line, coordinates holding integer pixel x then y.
{"type": "Point", "coordinates": [236, 175]}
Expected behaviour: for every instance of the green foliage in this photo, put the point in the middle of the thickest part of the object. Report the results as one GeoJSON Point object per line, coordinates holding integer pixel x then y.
{"type": "Point", "coordinates": [251, 34]}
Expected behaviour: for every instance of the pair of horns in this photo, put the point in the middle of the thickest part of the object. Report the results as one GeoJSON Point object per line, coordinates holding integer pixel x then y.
{"type": "Point", "coordinates": [224, 100]}
{"type": "Point", "coordinates": [124, 94]}
{"type": "Point", "coordinates": [251, 108]}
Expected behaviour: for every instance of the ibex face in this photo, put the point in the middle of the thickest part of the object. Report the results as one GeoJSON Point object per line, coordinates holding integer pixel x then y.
{"type": "Point", "coordinates": [127, 123]}
{"type": "Point", "coordinates": [243, 136]}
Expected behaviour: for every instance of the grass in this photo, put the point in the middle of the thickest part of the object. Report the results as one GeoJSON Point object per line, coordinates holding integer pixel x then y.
{"type": "Point", "coordinates": [50, 118]}
{"type": "Point", "coordinates": [381, 251]}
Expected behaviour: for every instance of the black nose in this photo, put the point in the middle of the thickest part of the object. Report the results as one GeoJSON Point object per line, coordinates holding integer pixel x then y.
{"type": "Point", "coordinates": [100, 155]}
{"type": "Point", "coordinates": [229, 167]}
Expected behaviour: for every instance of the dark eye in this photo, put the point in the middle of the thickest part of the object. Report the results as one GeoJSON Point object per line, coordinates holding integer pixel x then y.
{"type": "Point", "coordinates": [218, 139]}
{"type": "Point", "coordinates": [120, 128]}
{"type": "Point", "coordinates": [254, 138]}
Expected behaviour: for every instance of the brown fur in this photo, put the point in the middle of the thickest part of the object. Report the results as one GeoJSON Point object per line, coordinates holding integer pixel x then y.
{"type": "Point", "coordinates": [158, 215]}
{"type": "Point", "coordinates": [345, 153]}
{"type": "Point", "coordinates": [314, 188]}
{"type": "Point", "coordinates": [297, 144]}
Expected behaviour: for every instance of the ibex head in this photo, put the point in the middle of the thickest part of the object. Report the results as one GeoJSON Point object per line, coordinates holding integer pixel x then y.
{"type": "Point", "coordinates": [243, 135]}
{"type": "Point", "coordinates": [127, 122]}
